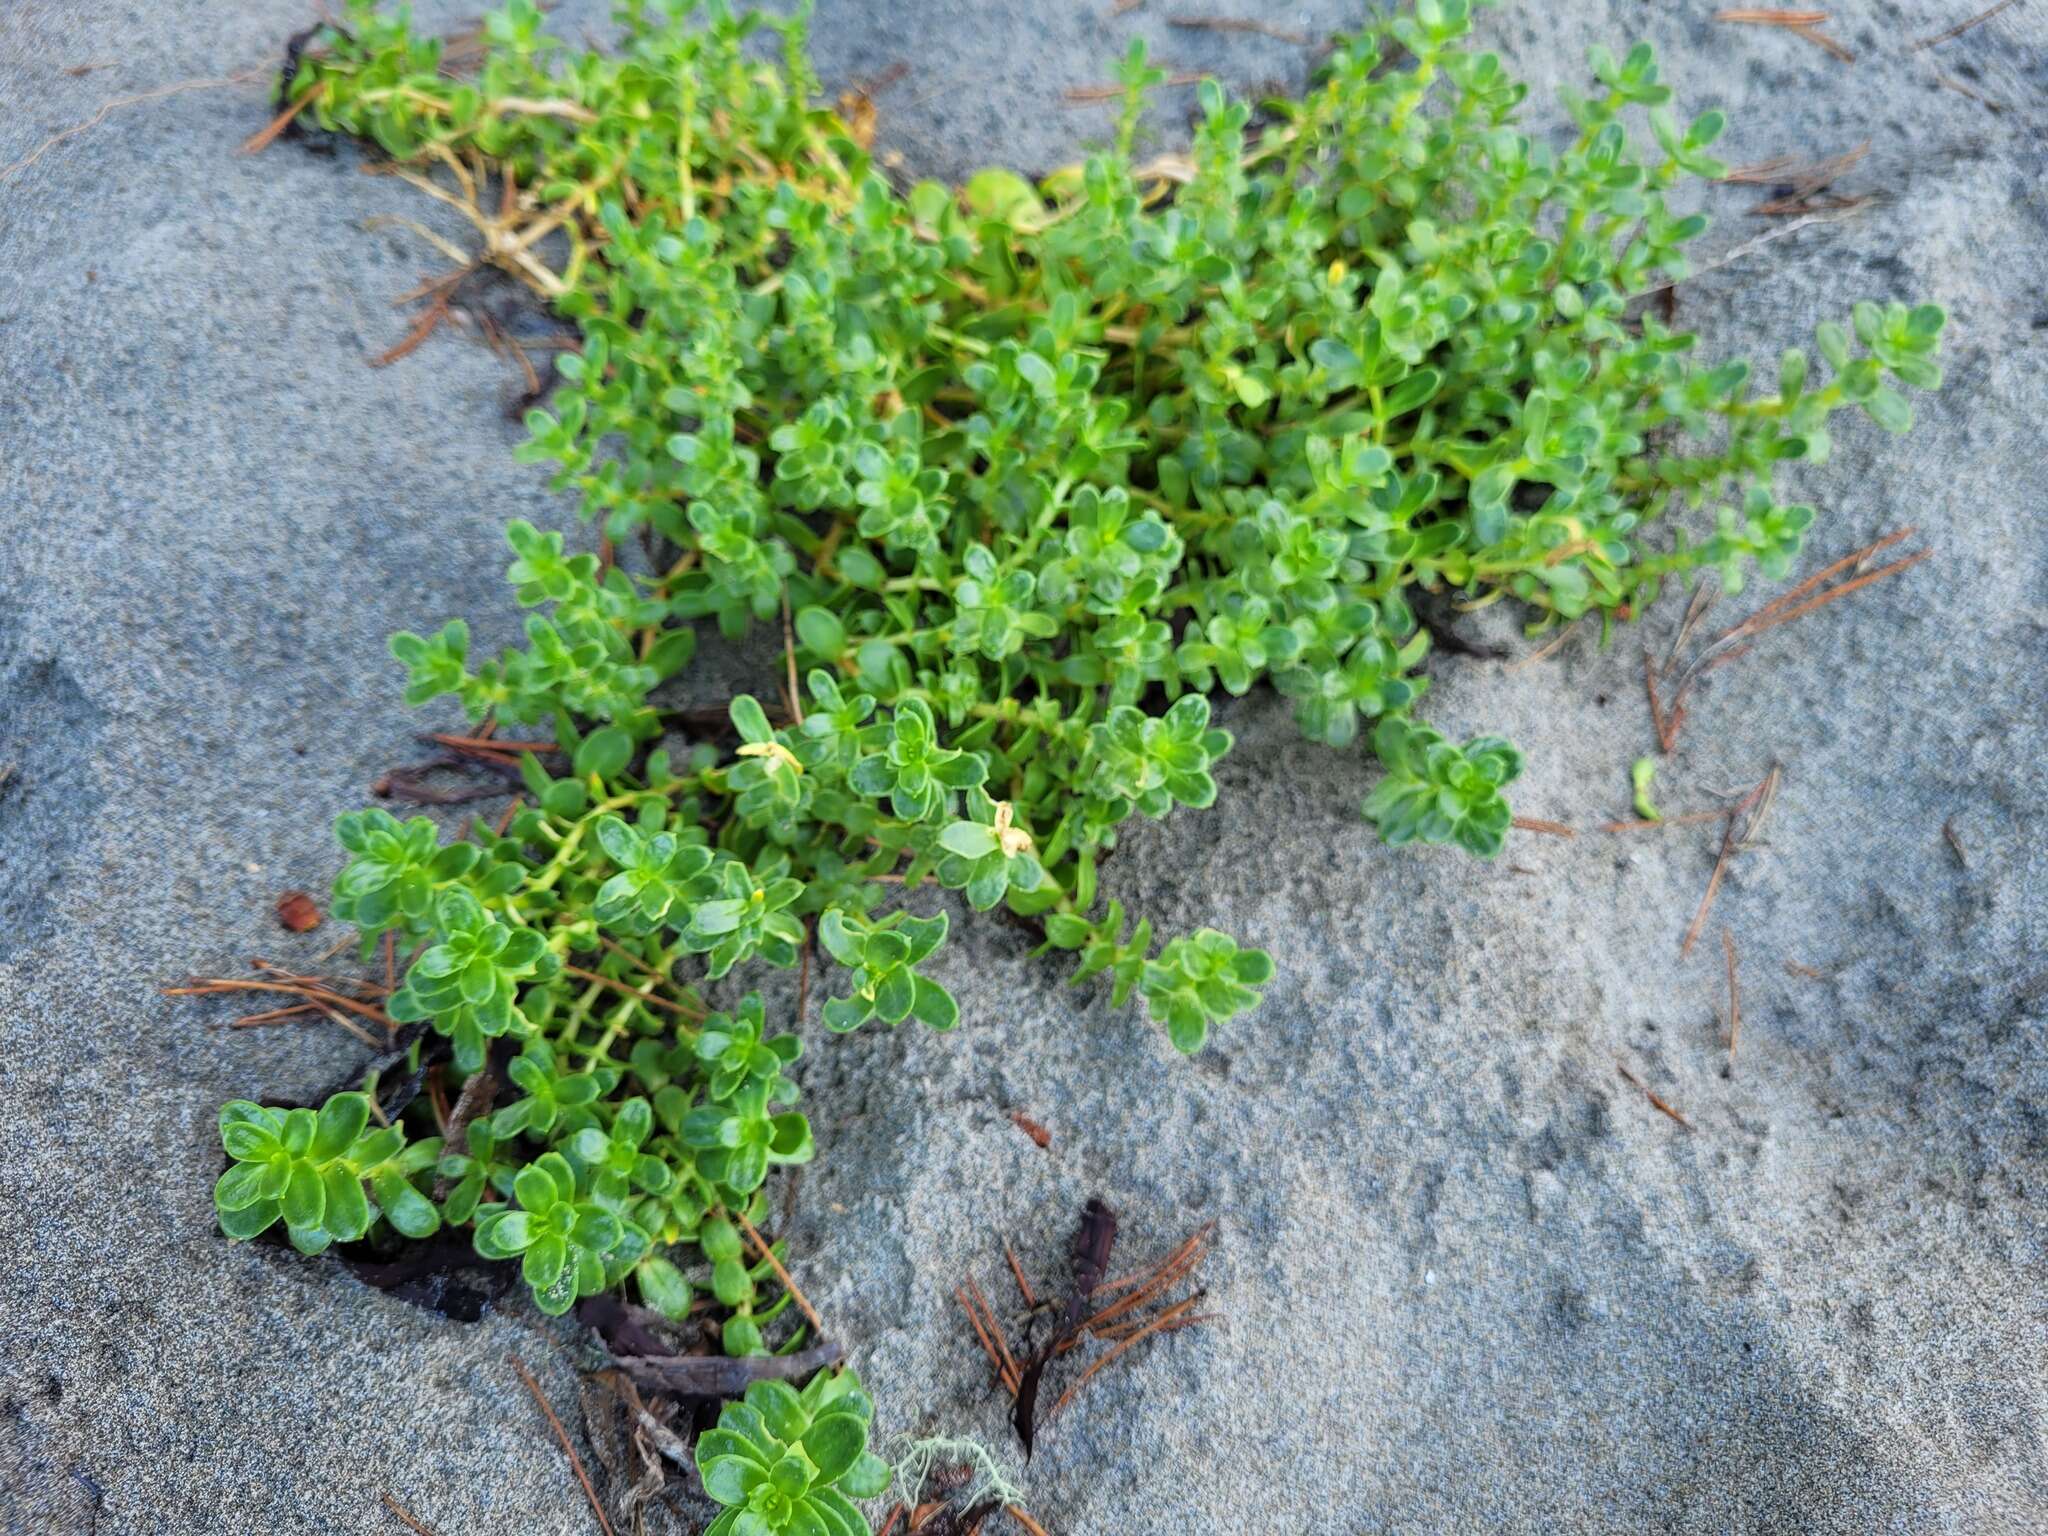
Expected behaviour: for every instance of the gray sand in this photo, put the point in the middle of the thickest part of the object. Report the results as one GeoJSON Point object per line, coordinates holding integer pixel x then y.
{"type": "Point", "coordinates": [1472, 1280]}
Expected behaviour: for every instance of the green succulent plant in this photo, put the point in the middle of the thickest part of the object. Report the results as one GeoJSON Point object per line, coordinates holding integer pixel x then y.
{"type": "Point", "coordinates": [883, 957]}
{"type": "Point", "coordinates": [1435, 792]}
{"type": "Point", "coordinates": [1031, 472]}
{"type": "Point", "coordinates": [790, 1463]}
{"type": "Point", "coordinates": [319, 1174]}
{"type": "Point", "coordinates": [558, 1232]}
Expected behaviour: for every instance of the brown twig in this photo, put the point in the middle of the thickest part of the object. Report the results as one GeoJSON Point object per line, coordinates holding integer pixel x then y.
{"type": "Point", "coordinates": [352, 1028]}
{"type": "Point", "coordinates": [429, 320]}
{"type": "Point", "coordinates": [263, 138]}
{"type": "Point", "coordinates": [405, 1515]}
{"type": "Point", "coordinates": [1548, 651]}
{"type": "Point", "coordinates": [803, 976]}
{"type": "Point", "coordinates": [1951, 83]}
{"type": "Point", "coordinates": [561, 1434]}
{"type": "Point", "coordinates": [999, 1360]}
{"type": "Point", "coordinates": [721, 1375]}
{"type": "Point", "coordinates": [258, 963]}
{"type": "Point", "coordinates": [272, 1015]}
{"type": "Point", "coordinates": [1173, 1262]}
{"type": "Point", "coordinates": [1182, 1260]}
{"type": "Point", "coordinates": [1820, 39]}
{"type": "Point", "coordinates": [1734, 997]}
{"type": "Point", "coordinates": [1735, 642]}
{"type": "Point", "coordinates": [1962, 26]}
{"type": "Point", "coordinates": [504, 345]}
{"type": "Point", "coordinates": [761, 1245]}
{"type": "Point", "coordinates": [889, 1525]}
{"type": "Point", "coordinates": [1244, 24]}
{"type": "Point", "coordinates": [1752, 628]}
{"type": "Point", "coordinates": [208, 985]}
{"type": "Point", "coordinates": [1084, 95]}
{"type": "Point", "coordinates": [1689, 819]}
{"type": "Point", "coordinates": [1115, 1331]}
{"type": "Point", "coordinates": [1847, 562]}
{"type": "Point", "coordinates": [1804, 24]}
{"type": "Point", "coordinates": [108, 108]}
{"type": "Point", "coordinates": [1761, 798]}
{"type": "Point", "coordinates": [1012, 1373]}
{"type": "Point", "coordinates": [404, 783]}
{"type": "Point", "coordinates": [1023, 1285]}
{"type": "Point", "coordinates": [1666, 728]}
{"type": "Point", "coordinates": [796, 700]}
{"type": "Point", "coordinates": [1805, 972]}
{"type": "Point", "coordinates": [1030, 1127]}
{"type": "Point", "coordinates": [481, 751]}
{"type": "Point", "coordinates": [1031, 1526]}
{"type": "Point", "coordinates": [1704, 595]}
{"type": "Point", "coordinates": [1152, 1326]}
{"type": "Point", "coordinates": [1549, 828]}
{"type": "Point", "coordinates": [490, 744]}
{"type": "Point", "coordinates": [646, 997]}
{"type": "Point", "coordinates": [477, 1096]}
{"type": "Point", "coordinates": [1804, 180]}
{"type": "Point", "coordinates": [1650, 1094]}
{"type": "Point", "coordinates": [1770, 236]}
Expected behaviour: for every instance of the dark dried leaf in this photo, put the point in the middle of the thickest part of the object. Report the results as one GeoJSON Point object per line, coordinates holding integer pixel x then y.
{"type": "Point", "coordinates": [625, 1328]}
{"type": "Point", "coordinates": [1093, 1241]}
{"type": "Point", "coordinates": [722, 1376]}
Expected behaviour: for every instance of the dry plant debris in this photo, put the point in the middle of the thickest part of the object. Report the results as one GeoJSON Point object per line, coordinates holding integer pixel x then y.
{"type": "Point", "coordinates": [334, 999]}
{"type": "Point", "coordinates": [568, 1446]}
{"type": "Point", "coordinates": [1667, 716]}
{"type": "Point", "coordinates": [1086, 95]}
{"type": "Point", "coordinates": [1963, 26]}
{"type": "Point", "coordinates": [1806, 183]}
{"type": "Point", "coordinates": [405, 1516]}
{"type": "Point", "coordinates": [1649, 1093]}
{"type": "Point", "coordinates": [1806, 24]}
{"type": "Point", "coordinates": [1241, 24]}
{"type": "Point", "coordinates": [1755, 806]}
{"type": "Point", "coordinates": [108, 108]}
{"type": "Point", "coordinates": [1126, 1311]}
{"type": "Point", "coordinates": [1734, 996]}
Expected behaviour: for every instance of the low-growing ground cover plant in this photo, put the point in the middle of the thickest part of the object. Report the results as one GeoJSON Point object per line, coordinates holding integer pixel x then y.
{"type": "Point", "coordinates": [788, 1461]}
{"type": "Point", "coordinates": [1030, 472]}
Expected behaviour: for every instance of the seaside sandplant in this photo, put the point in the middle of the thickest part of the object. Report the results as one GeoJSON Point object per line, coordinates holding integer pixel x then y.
{"type": "Point", "coordinates": [1017, 477]}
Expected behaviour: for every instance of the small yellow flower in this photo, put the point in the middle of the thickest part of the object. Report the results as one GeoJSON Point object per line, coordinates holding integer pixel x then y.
{"type": "Point", "coordinates": [773, 750]}
{"type": "Point", "coordinates": [1015, 840]}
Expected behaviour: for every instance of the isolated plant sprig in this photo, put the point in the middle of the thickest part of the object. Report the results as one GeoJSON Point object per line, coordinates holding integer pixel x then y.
{"type": "Point", "coordinates": [790, 1463]}
{"type": "Point", "coordinates": [1035, 471]}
